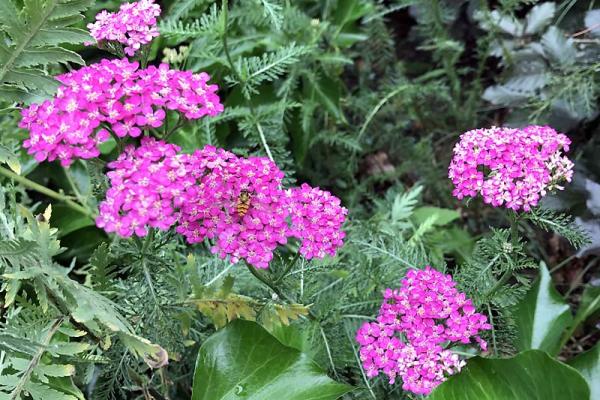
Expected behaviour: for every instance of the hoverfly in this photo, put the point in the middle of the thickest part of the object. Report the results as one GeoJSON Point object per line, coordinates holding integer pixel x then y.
{"type": "Point", "coordinates": [243, 203]}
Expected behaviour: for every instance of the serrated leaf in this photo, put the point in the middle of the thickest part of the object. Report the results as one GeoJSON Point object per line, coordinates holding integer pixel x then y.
{"type": "Point", "coordinates": [557, 47]}
{"type": "Point", "coordinates": [32, 79]}
{"type": "Point", "coordinates": [47, 55]}
{"type": "Point", "coordinates": [243, 360]}
{"type": "Point", "coordinates": [38, 391]}
{"type": "Point", "coordinates": [14, 344]}
{"type": "Point", "coordinates": [68, 349]}
{"type": "Point", "coordinates": [539, 17]}
{"type": "Point", "coordinates": [507, 23]}
{"type": "Point", "coordinates": [6, 156]}
{"type": "Point", "coordinates": [36, 27]}
{"type": "Point", "coordinates": [55, 370]}
{"type": "Point", "coordinates": [542, 316]}
{"type": "Point", "coordinates": [56, 36]}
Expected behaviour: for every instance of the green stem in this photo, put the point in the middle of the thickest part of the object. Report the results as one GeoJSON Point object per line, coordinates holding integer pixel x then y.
{"type": "Point", "coordinates": [235, 72]}
{"type": "Point", "coordinates": [376, 109]}
{"type": "Point", "coordinates": [225, 8]}
{"type": "Point", "coordinates": [580, 317]}
{"type": "Point", "coordinates": [494, 344]}
{"type": "Point", "coordinates": [275, 289]}
{"type": "Point", "coordinates": [48, 192]}
{"type": "Point", "coordinates": [288, 267]}
{"type": "Point", "coordinates": [73, 185]}
{"type": "Point", "coordinates": [447, 62]}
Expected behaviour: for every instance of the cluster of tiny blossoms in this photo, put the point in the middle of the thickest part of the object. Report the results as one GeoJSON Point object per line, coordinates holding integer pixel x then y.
{"type": "Point", "coordinates": [156, 186]}
{"type": "Point", "coordinates": [316, 219]}
{"type": "Point", "coordinates": [513, 168]}
{"type": "Point", "coordinates": [116, 94]}
{"type": "Point", "coordinates": [133, 25]}
{"type": "Point", "coordinates": [211, 209]}
{"type": "Point", "coordinates": [416, 325]}
{"type": "Point", "coordinates": [146, 187]}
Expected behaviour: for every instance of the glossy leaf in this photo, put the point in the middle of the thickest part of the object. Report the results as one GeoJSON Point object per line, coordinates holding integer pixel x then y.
{"type": "Point", "coordinates": [244, 361]}
{"type": "Point", "coordinates": [531, 375]}
{"type": "Point", "coordinates": [588, 364]}
{"type": "Point", "coordinates": [542, 316]}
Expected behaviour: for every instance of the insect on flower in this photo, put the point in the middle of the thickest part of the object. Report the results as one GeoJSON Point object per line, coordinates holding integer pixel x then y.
{"type": "Point", "coordinates": [243, 203]}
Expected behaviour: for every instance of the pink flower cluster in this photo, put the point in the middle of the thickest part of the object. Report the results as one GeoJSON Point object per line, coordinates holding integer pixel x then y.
{"type": "Point", "coordinates": [211, 208]}
{"type": "Point", "coordinates": [509, 167]}
{"type": "Point", "coordinates": [147, 184]}
{"type": "Point", "coordinates": [133, 25]}
{"type": "Point", "coordinates": [155, 186]}
{"type": "Point", "coordinates": [116, 94]}
{"type": "Point", "coordinates": [316, 219]}
{"type": "Point", "coordinates": [416, 326]}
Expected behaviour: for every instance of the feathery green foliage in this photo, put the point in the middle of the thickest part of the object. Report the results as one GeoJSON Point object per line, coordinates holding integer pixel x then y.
{"type": "Point", "coordinates": [31, 39]}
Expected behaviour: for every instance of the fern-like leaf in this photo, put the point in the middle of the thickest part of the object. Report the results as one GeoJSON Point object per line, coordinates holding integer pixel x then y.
{"type": "Point", "coordinates": [254, 71]}
{"type": "Point", "coordinates": [562, 224]}
{"type": "Point", "coordinates": [29, 42]}
{"type": "Point", "coordinates": [208, 23]}
{"type": "Point", "coordinates": [272, 10]}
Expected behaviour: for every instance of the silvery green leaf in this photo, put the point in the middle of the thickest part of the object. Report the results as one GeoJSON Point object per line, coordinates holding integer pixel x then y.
{"type": "Point", "coordinates": [557, 47]}
{"type": "Point", "coordinates": [502, 95]}
{"type": "Point", "coordinates": [539, 17]}
{"type": "Point", "coordinates": [506, 23]}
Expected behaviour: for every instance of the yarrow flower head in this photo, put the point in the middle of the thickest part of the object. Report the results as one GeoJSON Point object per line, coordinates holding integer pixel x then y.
{"type": "Point", "coordinates": [237, 202]}
{"type": "Point", "coordinates": [415, 324]}
{"type": "Point", "coordinates": [509, 167]}
{"type": "Point", "coordinates": [134, 25]}
{"type": "Point", "coordinates": [146, 188]}
{"type": "Point", "coordinates": [115, 94]}
{"type": "Point", "coordinates": [317, 217]}
{"type": "Point", "coordinates": [212, 209]}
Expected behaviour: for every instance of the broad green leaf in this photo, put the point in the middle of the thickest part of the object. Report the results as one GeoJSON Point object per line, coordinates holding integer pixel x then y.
{"type": "Point", "coordinates": [539, 17]}
{"type": "Point", "coordinates": [531, 375]}
{"type": "Point", "coordinates": [588, 364]}
{"type": "Point", "coordinates": [244, 361]}
{"type": "Point", "coordinates": [541, 316]}
{"type": "Point", "coordinates": [443, 215]}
